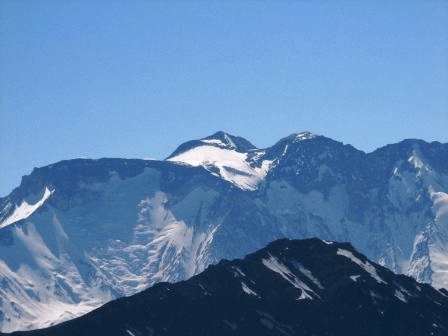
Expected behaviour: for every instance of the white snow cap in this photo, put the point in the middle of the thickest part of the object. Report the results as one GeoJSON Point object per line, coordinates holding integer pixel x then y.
{"type": "Point", "coordinates": [302, 136]}
{"type": "Point", "coordinates": [229, 154]}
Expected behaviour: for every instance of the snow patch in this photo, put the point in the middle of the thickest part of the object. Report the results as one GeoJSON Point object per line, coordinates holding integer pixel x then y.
{"type": "Point", "coordinates": [229, 141]}
{"type": "Point", "coordinates": [303, 136]}
{"type": "Point", "coordinates": [416, 161]}
{"type": "Point", "coordinates": [247, 290]}
{"type": "Point", "coordinates": [400, 296]}
{"type": "Point", "coordinates": [354, 277]}
{"type": "Point", "coordinates": [232, 165]}
{"type": "Point", "coordinates": [276, 266]}
{"type": "Point", "coordinates": [213, 141]}
{"type": "Point", "coordinates": [306, 272]}
{"type": "Point", "coordinates": [24, 210]}
{"type": "Point", "coordinates": [304, 296]}
{"type": "Point", "coordinates": [238, 271]}
{"type": "Point", "coordinates": [369, 268]}
{"type": "Point", "coordinates": [231, 325]}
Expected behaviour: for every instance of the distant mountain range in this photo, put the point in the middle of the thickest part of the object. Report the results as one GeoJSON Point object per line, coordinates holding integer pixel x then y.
{"type": "Point", "coordinates": [79, 233]}
{"type": "Point", "coordinates": [291, 287]}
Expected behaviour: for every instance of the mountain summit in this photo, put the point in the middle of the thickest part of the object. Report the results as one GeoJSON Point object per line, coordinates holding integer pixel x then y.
{"type": "Point", "coordinates": [225, 140]}
{"type": "Point", "coordinates": [219, 139]}
{"type": "Point", "coordinates": [79, 233]}
{"type": "Point", "coordinates": [231, 158]}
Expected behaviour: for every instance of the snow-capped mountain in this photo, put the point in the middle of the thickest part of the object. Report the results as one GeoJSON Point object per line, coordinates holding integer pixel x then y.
{"type": "Point", "coordinates": [290, 287]}
{"type": "Point", "coordinates": [233, 159]}
{"type": "Point", "coordinates": [79, 233]}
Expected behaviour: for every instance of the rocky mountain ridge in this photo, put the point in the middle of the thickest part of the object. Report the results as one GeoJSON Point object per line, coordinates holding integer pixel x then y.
{"type": "Point", "coordinates": [290, 287]}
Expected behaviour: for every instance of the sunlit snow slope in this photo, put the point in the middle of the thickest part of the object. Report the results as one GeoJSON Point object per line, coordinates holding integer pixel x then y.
{"type": "Point", "coordinates": [79, 233]}
{"type": "Point", "coordinates": [222, 157]}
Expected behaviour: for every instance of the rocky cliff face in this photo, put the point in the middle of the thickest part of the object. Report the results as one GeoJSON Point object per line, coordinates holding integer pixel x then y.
{"type": "Point", "coordinates": [79, 233]}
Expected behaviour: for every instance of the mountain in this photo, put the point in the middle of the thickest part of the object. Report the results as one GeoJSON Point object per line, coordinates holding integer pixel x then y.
{"type": "Point", "coordinates": [290, 287]}
{"type": "Point", "coordinates": [231, 158]}
{"type": "Point", "coordinates": [79, 233]}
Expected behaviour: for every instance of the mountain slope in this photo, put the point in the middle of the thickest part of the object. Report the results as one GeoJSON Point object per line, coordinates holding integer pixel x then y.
{"type": "Point", "coordinates": [79, 233]}
{"type": "Point", "coordinates": [104, 232]}
{"type": "Point", "coordinates": [307, 287]}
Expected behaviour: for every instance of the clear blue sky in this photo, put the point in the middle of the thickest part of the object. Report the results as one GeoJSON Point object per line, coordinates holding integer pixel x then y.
{"type": "Point", "coordinates": [135, 79]}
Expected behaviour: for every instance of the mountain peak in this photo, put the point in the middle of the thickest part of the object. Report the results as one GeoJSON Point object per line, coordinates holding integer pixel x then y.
{"type": "Point", "coordinates": [228, 141]}
{"type": "Point", "coordinates": [297, 137]}
{"type": "Point", "coordinates": [219, 139]}
{"type": "Point", "coordinates": [302, 136]}
{"type": "Point", "coordinates": [226, 156]}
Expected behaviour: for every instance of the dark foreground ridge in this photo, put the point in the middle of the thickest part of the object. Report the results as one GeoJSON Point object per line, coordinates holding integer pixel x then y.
{"type": "Point", "coordinates": [290, 287]}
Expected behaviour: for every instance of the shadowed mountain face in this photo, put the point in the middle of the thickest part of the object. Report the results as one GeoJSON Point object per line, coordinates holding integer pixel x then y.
{"type": "Point", "coordinates": [79, 233]}
{"type": "Point", "coordinates": [291, 287]}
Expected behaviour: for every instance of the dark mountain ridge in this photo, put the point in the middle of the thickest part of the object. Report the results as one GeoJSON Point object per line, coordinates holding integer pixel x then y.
{"type": "Point", "coordinates": [290, 287]}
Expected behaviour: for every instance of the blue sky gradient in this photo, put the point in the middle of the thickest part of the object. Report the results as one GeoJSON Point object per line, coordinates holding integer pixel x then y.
{"type": "Point", "coordinates": [135, 79]}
